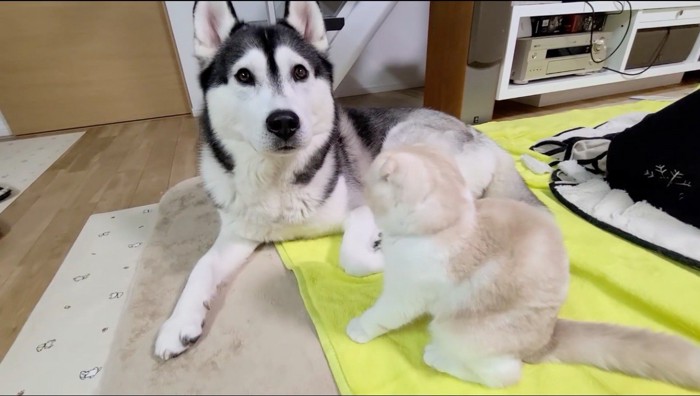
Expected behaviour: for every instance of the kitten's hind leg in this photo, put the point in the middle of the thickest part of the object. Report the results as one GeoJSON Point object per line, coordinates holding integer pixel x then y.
{"type": "Point", "coordinates": [482, 353]}
{"type": "Point", "coordinates": [492, 372]}
{"type": "Point", "coordinates": [497, 371]}
{"type": "Point", "coordinates": [446, 363]}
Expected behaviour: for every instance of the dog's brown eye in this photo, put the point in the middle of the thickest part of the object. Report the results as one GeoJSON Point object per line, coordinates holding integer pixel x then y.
{"type": "Point", "coordinates": [300, 73]}
{"type": "Point", "coordinates": [244, 76]}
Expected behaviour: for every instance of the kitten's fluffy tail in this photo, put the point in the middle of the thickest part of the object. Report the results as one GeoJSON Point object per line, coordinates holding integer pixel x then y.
{"type": "Point", "coordinates": [627, 350]}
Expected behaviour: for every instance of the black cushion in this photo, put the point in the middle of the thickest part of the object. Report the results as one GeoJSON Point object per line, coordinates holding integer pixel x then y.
{"type": "Point", "coordinates": [658, 160]}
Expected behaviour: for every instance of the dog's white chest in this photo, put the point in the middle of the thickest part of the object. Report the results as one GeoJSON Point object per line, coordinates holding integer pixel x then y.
{"type": "Point", "coordinates": [285, 215]}
{"type": "Point", "coordinates": [264, 211]}
{"type": "Point", "coordinates": [272, 207]}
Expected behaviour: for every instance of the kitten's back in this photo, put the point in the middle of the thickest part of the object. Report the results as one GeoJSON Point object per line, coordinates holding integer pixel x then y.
{"type": "Point", "coordinates": [529, 245]}
{"type": "Point", "coordinates": [516, 222]}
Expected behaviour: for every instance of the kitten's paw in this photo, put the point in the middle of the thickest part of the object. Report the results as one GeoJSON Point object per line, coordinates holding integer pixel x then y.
{"type": "Point", "coordinates": [431, 355]}
{"type": "Point", "coordinates": [500, 372]}
{"type": "Point", "coordinates": [357, 332]}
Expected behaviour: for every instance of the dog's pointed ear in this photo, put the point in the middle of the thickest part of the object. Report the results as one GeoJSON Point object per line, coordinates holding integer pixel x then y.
{"type": "Point", "coordinates": [213, 21]}
{"type": "Point", "coordinates": [307, 19]}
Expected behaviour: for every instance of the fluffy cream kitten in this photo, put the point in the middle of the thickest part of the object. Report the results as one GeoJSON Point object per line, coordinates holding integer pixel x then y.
{"type": "Point", "coordinates": [493, 275]}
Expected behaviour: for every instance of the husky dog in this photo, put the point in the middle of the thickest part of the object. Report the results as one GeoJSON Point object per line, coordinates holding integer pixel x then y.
{"type": "Point", "coordinates": [493, 274]}
{"type": "Point", "coordinates": [282, 161]}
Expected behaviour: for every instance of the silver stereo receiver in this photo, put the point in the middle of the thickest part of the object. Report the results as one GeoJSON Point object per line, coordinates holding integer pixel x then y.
{"type": "Point", "coordinates": [555, 56]}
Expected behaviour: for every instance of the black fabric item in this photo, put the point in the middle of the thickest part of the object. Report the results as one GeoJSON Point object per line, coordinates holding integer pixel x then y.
{"type": "Point", "coordinates": [5, 193]}
{"type": "Point", "coordinates": [658, 160]}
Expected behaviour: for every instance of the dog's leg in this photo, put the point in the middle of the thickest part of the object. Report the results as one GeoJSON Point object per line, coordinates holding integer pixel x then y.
{"type": "Point", "coordinates": [184, 327]}
{"type": "Point", "coordinates": [359, 250]}
{"type": "Point", "coordinates": [507, 182]}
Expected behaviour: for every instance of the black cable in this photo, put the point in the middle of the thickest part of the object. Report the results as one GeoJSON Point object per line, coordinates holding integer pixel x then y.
{"type": "Point", "coordinates": [624, 36]}
{"type": "Point", "coordinates": [651, 64]}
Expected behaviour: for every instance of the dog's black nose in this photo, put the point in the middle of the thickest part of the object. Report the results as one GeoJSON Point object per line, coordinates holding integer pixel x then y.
{"type": "Point", "coordinates": [283, 123]}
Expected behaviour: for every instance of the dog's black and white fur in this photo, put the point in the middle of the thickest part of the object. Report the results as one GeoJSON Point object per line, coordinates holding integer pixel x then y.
{"type": "Point", "coordinates": [283, 161]}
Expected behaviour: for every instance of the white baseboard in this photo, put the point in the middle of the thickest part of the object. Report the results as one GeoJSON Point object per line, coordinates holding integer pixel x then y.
{"type": "Point", "coordinates": [4, 128]}
{"type": "Point", "coordinates": [377, 89]}
{"type": "Point", "coordinates": [553, 98]}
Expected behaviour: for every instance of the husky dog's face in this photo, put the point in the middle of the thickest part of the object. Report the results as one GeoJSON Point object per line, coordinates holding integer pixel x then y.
{"type": "Point", "coordinates": [266, 86]}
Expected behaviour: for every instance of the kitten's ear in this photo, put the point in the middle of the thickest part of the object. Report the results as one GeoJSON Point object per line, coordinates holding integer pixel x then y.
{"type": "Point", "coordinates": [213, 21]}
{"type": "Point", "coordinates": [388, 168]}
{"type": "Point", "coordinates": [307, 19]}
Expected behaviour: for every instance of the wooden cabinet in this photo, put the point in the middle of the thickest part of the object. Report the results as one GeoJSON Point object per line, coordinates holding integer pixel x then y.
{"type": "Point", "coordinates": [67, 65]}
{"type": "Point", "coordinates": [449, 29]}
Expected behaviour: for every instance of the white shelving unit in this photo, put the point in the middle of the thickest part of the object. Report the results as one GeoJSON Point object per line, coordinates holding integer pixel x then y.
{"type": "Point", "coordinates": [645, 14]}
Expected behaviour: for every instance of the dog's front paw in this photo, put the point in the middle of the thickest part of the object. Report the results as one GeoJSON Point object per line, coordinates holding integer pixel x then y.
{"type": "Point", "coordinates": [362, 262]}
{"type": "Point", "coordinates": [377, 244]}
{"type": "Point", "coordinates": [176, 335]}
{"type": "Point", "coordinates": [356, 331]}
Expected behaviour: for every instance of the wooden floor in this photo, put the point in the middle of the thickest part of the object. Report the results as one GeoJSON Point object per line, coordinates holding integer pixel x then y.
{"type": "Point", "coordinates": [109, 168]}
{"type": "Point", "coordinates": [125, 165]}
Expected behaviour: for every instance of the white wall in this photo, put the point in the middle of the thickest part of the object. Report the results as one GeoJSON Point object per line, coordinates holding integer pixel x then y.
{"type": "Point", "coordinates": [394, 58]}
{"type": "Point", "coordinates": [180, 15]}
{"type": "Point", "coordinates": [4, 128]}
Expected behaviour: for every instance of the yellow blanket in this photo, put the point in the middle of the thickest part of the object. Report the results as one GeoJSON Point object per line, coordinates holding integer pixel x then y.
{"type": "Point", "coordinates": [612, 280]}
